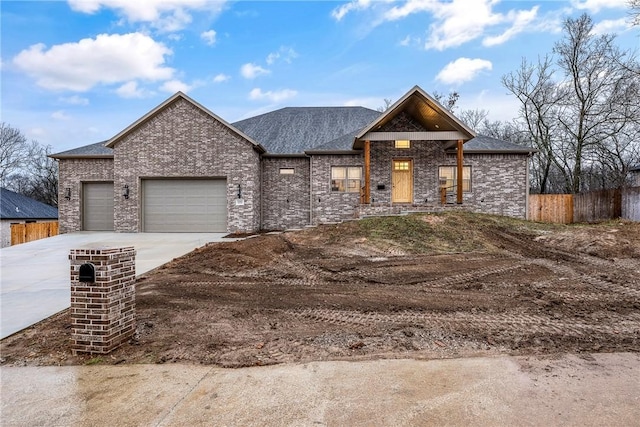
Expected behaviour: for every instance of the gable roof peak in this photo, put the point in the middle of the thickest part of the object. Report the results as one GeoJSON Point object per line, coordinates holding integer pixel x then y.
{"type": "Point", "coordinates": [113, 141]}
{"type": "Point", "coordinates": [423, 107]}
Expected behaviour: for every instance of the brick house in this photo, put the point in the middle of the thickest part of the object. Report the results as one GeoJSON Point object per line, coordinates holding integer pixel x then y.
{"type": "Point", "coordinates": [182, 168]}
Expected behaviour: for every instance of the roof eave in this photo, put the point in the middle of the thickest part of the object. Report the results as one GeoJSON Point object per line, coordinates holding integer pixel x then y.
{"type": "Point", "coordinates": [329, 152]}
{"type": "Point", "coordinates": [493, 151]}
{"type": "Point", "coordinates": [81, 156]}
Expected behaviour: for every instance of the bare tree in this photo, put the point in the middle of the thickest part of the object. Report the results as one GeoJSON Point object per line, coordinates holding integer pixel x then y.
{"type": "Point", "coordinates": [26, 167]}
{"type": "Point", "coordinates": [634, 5]}
{"type": "Point", "coordinates": [14, 151]}
{"type": "Point", "coordinates": [387, 104]}
{"type": "Point", "coordinates": [473, 118]}
{"type": "Point", "coordinates": [448, 101]}
{"type": "Point", "coordinates": [585, 108]}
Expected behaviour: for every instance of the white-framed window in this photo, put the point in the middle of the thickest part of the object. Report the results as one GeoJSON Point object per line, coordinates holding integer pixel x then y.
{"type": "Point", "coordinates": [403, 143]}
{"type": "Point", "coordinates": [346, 179]}
{"type": "Point", "coordinates": [287, 171]}
{"type": "Point", "coordinates": [448, 177]}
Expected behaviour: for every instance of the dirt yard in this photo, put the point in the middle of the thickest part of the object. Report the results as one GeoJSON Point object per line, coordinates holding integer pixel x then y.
{"type": "Point", "coordinates": [418, 286]}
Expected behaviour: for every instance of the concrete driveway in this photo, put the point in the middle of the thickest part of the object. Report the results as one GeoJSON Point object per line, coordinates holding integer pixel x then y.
{"type": "Point", "coordinates": [589, 390]}
{"type": "Point", "coordinates": [34, 278]}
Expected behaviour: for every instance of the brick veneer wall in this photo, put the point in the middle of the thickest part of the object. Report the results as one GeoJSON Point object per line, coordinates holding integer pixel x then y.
{"type": "Point", "coordinates": [182, 141]}
{"type": "Point", "coordinates": [426, 156]}
{"type": "Point", "coordinates": [498, 183]}
{"type": "Point", "coordinates": [285, 198]}
{"type": "Point", "coordinates": [102, 312]}
{"type": "Point", "coordinates": [327, 205]}
{"type": "Point", "coordinates": [72, 173]}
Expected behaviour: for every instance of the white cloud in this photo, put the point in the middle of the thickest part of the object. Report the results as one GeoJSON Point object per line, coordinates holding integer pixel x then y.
{"type": "Point", "coordinates": [273, 96]}
{"type": "Point", "coordinates": [454, 23]}
{"type": "Point", "coordinates": [287, 54]}
{"type": "Point", "coordinates": [595, 6]}
{"type": "Point", "coordinates": [462, 70]}
{"type": "Point", "coordinates": [251, 71]}
{"type": "Point", "coordinates": [173, 86]}
{"type": "Point", "coordinates": [75, 100]}
{"type": "Point", "coordinates": [209, 37]}
{"type": "Point", "coordinates": [521, 21]}
{"type": "Point", "coordinates": [175, 37]}
{"type": "Point", "coordinates": [340, 12]}
{"type": "Point", "coordinates": [165, 15]}
{"type": "Point", "coordinates": [107, 59]}
{"type": "Point", "coordinates": [131, 90]}
{"type": "Point", "coordinates": [612, 26]}
{"type": "Point", "coordinates": [60, 115]}
{"type": "Point", "coordinates": [220, 78]}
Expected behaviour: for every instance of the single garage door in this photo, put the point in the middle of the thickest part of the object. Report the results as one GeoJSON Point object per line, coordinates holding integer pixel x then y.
{"type": "Point", "coordinates": [184, 205]}
{"type": "Point", "coordinates": [97, 206]}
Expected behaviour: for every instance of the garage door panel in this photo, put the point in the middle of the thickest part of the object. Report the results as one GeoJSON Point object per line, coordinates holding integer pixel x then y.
{"type": "Point", "coordinates": [185, 205]}
{"type": "Point", "coordinates": [97, 201]}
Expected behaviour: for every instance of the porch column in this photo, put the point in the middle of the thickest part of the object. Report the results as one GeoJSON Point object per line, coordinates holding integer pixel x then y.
{"type": "Point", "coordinates": [459, 180]}
{"type": "Point", "coordinates": [367, 172]}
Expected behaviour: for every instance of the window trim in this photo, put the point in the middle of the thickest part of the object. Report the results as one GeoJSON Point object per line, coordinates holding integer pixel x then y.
{"type": "Point", "coordinates": [453, 188]}
{"type": "Point", "coordinates": [346, 179]}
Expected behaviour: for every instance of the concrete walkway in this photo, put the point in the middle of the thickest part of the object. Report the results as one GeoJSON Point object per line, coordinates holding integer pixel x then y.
{"type": "Point", "coordinates": [34, 276]}
{"type": "Point", "coordinates": [591, 390]}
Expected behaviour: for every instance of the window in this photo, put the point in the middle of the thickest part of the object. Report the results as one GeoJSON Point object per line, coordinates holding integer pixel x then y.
{"type": "Point", "coordinates": [287, 171]}
{"type": "Point", "coordinates": [403, 143]}
{"type": "Point", "coordinates": [346, 179]}
{"type": "Point", "coordinates": [403, 165]}
{"type": "Point", "coordinates": [448, 178]}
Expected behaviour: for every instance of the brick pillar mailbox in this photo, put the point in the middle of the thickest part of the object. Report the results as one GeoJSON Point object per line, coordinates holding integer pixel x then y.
{"type": "Point", "coordinates": [102, 311]}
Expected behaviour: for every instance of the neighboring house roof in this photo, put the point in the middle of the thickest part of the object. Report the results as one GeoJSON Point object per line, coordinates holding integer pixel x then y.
{"type": "Point", "coordinates": [179, 95]}
{"type": "Point", "coordinates": [297, 129]}
{"type": "Point", "coordinates": [17, 206]}
{"type": "Point", "coordinates": [97, 150]}
{"type": "Point", "coordinates": [486, 144]}
{"type": "Point", "coordinates": [635, 168]}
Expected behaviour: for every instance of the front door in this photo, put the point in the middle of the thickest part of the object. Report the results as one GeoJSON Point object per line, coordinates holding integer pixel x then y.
{"type": "Point", "coordinates": [402, 181]}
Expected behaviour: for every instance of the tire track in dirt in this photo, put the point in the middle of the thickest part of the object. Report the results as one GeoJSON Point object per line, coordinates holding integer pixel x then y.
{"type": "Point", "coordinates": [510, 322]}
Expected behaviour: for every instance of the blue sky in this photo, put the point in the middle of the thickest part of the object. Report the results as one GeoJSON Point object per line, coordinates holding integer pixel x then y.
{"type": "Point", "coordinates": [77, 72]}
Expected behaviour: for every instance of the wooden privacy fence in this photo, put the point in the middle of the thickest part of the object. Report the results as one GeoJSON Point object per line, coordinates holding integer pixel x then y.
{"type": "Point", "coordinates": [586, 207]}
{"type": "Point", "coordinates": [23, 233]}
{"type": "Point", "coordinates": [557, 208]}
{"type": "Point", "coordinates": [597, 206]}
{"type": "Point", "coordinates": [631, 204]}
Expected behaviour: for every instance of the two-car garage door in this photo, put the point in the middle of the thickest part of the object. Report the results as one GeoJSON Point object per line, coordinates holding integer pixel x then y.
{"type": "Point", "coordinates": [184, 205]}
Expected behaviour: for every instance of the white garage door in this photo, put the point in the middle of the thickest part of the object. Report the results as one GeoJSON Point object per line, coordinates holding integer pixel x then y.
{"type": "Point", "coordinates": [97, 206]}
{"type": "Point", "coordinates": [181, 205]}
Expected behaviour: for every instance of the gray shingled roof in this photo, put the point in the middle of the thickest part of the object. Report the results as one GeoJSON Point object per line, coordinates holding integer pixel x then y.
{"type": "Point", "coordinates": [483, 143]}
{"type": "Point", "coordinates": [92, 150]}
{"type": "Point", "coordinates": [296, 129]}
{"type": "Point", "coordinates": [17, 206]}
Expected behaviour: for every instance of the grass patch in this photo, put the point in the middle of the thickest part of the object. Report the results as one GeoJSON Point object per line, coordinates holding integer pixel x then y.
{"type": "Point", "coordinates": [94, 361]}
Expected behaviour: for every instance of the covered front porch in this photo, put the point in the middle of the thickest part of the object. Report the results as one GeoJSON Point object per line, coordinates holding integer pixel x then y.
{"type": "Point", "coordinates": [413, 156]}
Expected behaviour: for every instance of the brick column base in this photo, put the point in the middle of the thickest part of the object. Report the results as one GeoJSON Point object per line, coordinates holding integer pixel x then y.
{"type": "Point", "coordinates": [103, 311]}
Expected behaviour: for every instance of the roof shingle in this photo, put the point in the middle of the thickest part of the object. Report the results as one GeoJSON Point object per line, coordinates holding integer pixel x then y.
{"type": "Point", "coordinates": [17, 206]}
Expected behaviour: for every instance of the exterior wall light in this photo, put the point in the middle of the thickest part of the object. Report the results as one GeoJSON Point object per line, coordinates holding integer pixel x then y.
{"type": "Point", "coordinates": [239, 192]}
{"type": "Point", "coordinates": [125, 192]}
{"type": "Point", "coordinates": [67, 193]}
